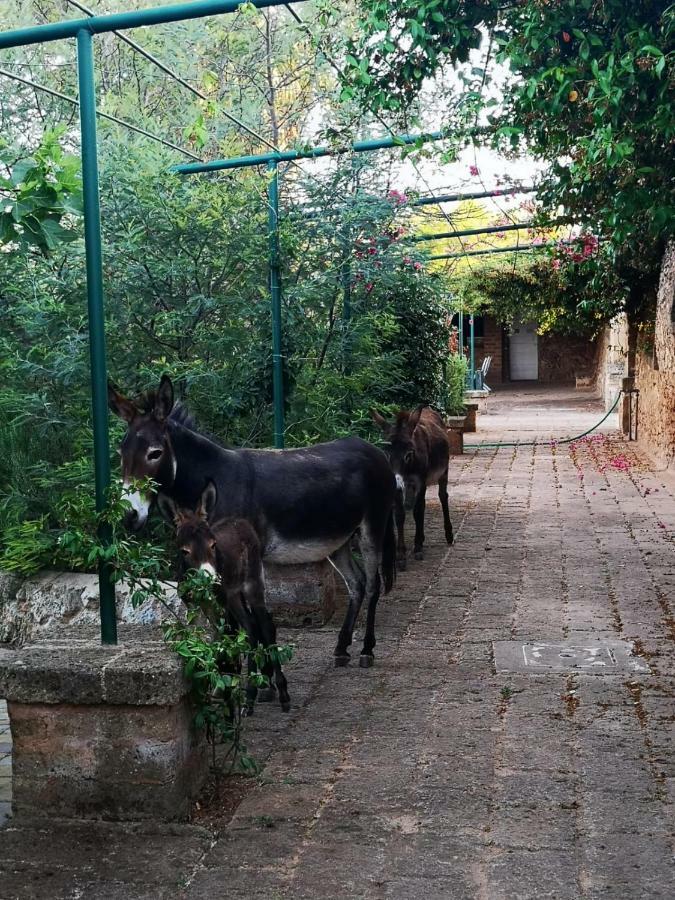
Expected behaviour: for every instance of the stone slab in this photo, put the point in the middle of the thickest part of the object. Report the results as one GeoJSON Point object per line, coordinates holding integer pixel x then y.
{"type": "Point", "coordinates": [587, 657]}
{"type": "Point", "coordinates": [139, 671]}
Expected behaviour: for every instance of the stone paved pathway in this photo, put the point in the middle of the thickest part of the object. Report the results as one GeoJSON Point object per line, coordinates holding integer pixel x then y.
{"type": "Point", "coordinates": [429, 775]}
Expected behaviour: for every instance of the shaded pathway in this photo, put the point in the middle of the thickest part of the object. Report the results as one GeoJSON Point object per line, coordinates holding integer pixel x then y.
{"type": "Point", "coordinates": [429, 775]}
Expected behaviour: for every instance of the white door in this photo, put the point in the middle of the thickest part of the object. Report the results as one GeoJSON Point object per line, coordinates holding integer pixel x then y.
{"type": "Point", "coordinates": [524, 352]}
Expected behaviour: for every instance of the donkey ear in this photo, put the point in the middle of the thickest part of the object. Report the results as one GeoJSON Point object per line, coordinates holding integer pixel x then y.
{"type": "Point", "coordinates": [414, 417]}
{"type": "Point", "coordinates": [164, 399]}
{"type": "Point", "coordinates": [380, 421]}
{"type": "Point", "coordinates": [120, 405]}
{"type": "Point", "coordinates": [208, 501]}
{"type": "Point", "coordinates": [167, 507]}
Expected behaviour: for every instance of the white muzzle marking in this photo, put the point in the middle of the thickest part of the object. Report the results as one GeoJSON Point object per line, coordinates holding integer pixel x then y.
{"type": "Point", "coordinates": [207, 567]}
{"type": "Point", "coordinates": [400, 483]}
{"type": "Point", "coordinates": [138, 502]}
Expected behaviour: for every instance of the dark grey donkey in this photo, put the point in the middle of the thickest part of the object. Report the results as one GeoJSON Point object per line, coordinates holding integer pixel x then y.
{"type": "Point", "coordinates": [418, 449]}
{"type": "Point", "coordinates": [229, 550]}
{"type": "Point", "coordinates": [305, 505]}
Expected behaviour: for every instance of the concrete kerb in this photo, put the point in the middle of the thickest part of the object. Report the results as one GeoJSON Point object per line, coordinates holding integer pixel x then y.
{"type": "Point", "coordinates": [101, 732]}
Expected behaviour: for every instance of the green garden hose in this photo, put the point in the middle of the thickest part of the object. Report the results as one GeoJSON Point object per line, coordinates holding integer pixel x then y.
{"type": "Point", "coordinates": [537, 443]}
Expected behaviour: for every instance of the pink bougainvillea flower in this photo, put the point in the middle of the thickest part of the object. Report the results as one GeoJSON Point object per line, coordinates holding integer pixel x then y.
{"type": "Point", "coordinates": [474, 171]}
{"type": "Point", "coordinates": [369, 286]}
{"type": "Point", "coordinates": [556, 264]}
{"type": "Point", "coordinates": [398, 197]}
{"type": "Point", "coordinates": [417, 266]}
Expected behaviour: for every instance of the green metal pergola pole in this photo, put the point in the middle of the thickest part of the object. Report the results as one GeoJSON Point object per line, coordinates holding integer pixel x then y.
{"type": "Point", "coordinates": [275, 294]}
{"type": "Point", "coordinates": [99, 387]}
{"type": "Point", "coordinates": [472, 351]}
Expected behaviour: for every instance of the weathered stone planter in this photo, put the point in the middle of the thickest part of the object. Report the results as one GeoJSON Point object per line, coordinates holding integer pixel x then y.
{"type": "Point", "coordinates": [100, 731]}
{"type": "Point", "coordinates": [33, 608]}
{"type": "Point", "coordinates": [479, 397]}
{"type": "Point", "coordinates": [471, 412]}
{"type": "Point", "coordinates": [455, 430]}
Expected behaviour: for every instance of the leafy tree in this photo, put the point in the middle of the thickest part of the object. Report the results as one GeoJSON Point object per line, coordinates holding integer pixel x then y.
{"type": "Point", "coordinates": [590, 92]}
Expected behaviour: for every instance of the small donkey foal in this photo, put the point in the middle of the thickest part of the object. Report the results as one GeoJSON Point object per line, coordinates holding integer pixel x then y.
{"type": "Point", "coordinates": [230, 551]}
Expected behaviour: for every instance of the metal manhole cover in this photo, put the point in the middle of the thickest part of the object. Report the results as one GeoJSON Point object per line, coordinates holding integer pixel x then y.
{"type": "Point", "coordinates": [584, 657]}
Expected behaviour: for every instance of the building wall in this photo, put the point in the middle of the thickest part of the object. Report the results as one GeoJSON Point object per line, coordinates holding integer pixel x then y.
{"type": "Point", "coordinates": [562, 357]}
{"type": "Point", "coordinates": [492, 345]}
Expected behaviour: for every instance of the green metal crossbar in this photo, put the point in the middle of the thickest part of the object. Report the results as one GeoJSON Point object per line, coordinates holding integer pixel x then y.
{"type": "Point", "coordinates": [516, 248]}
{"type": "Point", "coordinates": [83, 30]}
{"type": "Point", "coordinates": [242, 162]}
{"type": "Point", "coordinates": [160, 15]}
{"type": "Point", "coordinates": [470, 195]}
{"type": "Point", "coordinates": [468, 232]}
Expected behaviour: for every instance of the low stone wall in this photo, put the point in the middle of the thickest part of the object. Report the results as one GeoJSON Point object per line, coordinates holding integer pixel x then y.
{"type": "Point", "coordinates": [33, 608]}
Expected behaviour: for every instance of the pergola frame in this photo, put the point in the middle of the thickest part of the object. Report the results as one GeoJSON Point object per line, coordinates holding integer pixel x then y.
{"type": "Point", "coordinates": [84, 30]}
{"type": "Point", "coordinates": [272, 160]}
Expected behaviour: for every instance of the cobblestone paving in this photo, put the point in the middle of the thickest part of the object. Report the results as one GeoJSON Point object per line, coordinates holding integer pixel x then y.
{"type": "Point", "coordinates": [429, 775]}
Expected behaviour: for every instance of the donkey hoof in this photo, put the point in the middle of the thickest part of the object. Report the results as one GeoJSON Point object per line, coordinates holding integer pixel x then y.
{"type": "Point", "coordinates": [341, 660]}
{"type": "Point", "coordinates": [286, 706]}
{"type": "Point", "coordinates": [419, 554]}
{"type": "Point", "coordinates": [266, 694]}
{"type": "Point", "coordinates": [367, 660]}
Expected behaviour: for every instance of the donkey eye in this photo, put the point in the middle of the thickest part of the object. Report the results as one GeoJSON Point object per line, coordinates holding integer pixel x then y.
{"type": "Point", "coordinates": [408, 457]}
{"type": "Point", "coordinates": [185, 551]}
{"type": "Point", "coordinates": [154, 454]}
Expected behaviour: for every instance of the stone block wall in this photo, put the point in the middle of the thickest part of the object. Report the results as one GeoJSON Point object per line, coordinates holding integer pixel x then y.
{"type": "Point", "coordinates": [655, 374]}
{"type": "Point", "coordinates": [34, 607]}
{"type": "Point", "coordinates": [563, 357]}
{"type": "Point", "coordinates": [612, 359]}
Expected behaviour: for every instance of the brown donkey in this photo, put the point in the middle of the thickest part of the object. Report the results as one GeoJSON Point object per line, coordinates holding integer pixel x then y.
{"type": "Point", "coordinates": [419, 455]}
{"type": "Point", "coordinates": [230, 551]}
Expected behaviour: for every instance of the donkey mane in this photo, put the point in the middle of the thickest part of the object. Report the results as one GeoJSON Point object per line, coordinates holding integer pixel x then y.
{"type": "Point", "coordinates": [179, 415]}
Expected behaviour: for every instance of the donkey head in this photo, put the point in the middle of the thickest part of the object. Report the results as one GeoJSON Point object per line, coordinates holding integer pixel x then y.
{"type": "Point", "coordinates": [400, 448]}
{"type": "Point", "coordinates": [145, 450]}
{"type": "Point", "coordinates": [194, 536]}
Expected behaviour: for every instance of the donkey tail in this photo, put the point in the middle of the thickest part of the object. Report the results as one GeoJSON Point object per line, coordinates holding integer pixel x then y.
{"type": "Point", "coordinates": [389, 554]}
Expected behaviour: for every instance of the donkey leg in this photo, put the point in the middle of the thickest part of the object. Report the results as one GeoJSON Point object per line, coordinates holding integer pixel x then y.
{"type": "Point", "coordinates": [268, 632]}
{"type": "Point", "coordinates": [371, 551]}
{"type": "Point", "coordinates": [443, 497]}
{"type": "Point", "coordinates": [243, 618]}
{"type": "Point", "coordinates": [399, 513]}
{"type": "Point", "coordinates": [418, 514]}
{"type": "Point", "coordinates": [354, 579]}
